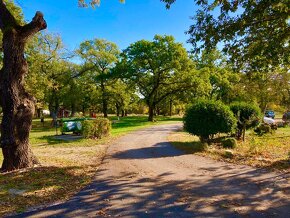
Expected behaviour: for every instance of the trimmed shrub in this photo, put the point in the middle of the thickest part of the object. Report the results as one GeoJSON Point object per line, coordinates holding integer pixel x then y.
{"type": "Point", "coordinates": [229, 143]}
{"type": "Point", "coordinates": [264, 128]}
{"type": "Point", "coordinates": [247, 115]}
{"type": "Point", "coordinates": [97, 128]}
{"type": "Point", "coordinates": [206, 118]}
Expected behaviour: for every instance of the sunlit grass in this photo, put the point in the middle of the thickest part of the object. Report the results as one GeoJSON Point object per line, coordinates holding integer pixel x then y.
{"type": "Point", "coordinates": [66, 166]}
{"type": "Point", "coordinates": [270, 150]}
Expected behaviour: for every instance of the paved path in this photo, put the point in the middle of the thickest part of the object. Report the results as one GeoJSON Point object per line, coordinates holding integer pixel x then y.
{"type": "Point", "coordinates": [144, 176]}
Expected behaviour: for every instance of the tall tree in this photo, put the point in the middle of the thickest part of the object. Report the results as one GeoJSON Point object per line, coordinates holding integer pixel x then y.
{"type": "Point", "coordinates": [123, 94]}
{"type": "Point", "coordinates": [159, 68]}
{"type": "Point", "coordinates": [16, 103]}
{"type": "Point", "coordinates": [222, 79]}
{"type": "Point", "coordinates": [100, 57]}
{"type": "Point", "coordinates": [45, 56]}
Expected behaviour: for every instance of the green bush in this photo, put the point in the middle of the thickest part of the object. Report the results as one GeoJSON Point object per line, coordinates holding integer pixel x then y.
{"type": "Point", "coordinates": [247, 114]}
{"type": "Point", "coordinates": [264, 128]}
{"type": "Point", "coordinates": [96, 128]}
{"type": "Point", "coordinates": [229, 143]}
{"type": "Point", "coordinates": [228, 154]}
{"type": "Point", "coordinates": [207, 118]}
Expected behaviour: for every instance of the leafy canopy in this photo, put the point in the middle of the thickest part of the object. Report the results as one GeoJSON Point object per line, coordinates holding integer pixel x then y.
{"type": "Point", "coordinates": [157, 67]}
{"type": "Point", "coordinates": [92, 3]}
{"type": "Point", "coordinates": [255, 33]}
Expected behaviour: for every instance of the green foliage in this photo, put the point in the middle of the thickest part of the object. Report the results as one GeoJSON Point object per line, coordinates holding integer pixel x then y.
{"type": "Point", "coordinates": [248, 114]}
{"type": "Point", "coordinates": [222, 79]}
{"type": "Point", "coordinates": [98, 128]}
{"type": "Point", "coordinates": [48, 73]}
{"type": "Point", "coordinates": [159, 68]}
{"type": "Point", "coordinates": [206, 118]}
{"type": "Point", "coordinates": [229, 143]}
{"type": "Point", "coordinates": [99, 57]}
{"type": "Point", "coordinates": [264, 128]}
{"type": "Point", "coordinates": [92, 3]}
{"type": "Point", "coordinates": [255, 34]}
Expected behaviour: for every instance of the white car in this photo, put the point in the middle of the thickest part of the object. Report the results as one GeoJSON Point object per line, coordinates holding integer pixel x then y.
{"type": "Point", "coordinates": [268, 120]}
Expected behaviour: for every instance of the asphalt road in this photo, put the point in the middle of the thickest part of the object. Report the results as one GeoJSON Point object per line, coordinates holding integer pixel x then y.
{"type": "Point", "coordinates": [144, 176]}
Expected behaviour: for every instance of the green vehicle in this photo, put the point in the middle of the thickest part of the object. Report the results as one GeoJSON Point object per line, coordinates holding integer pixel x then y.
{"type": "Point", "coordinates": [72, 125]}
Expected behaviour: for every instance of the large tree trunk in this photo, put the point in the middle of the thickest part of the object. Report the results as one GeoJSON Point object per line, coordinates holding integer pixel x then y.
{"type": "Point", "coordinates": [73, 109]}
{"type": "Point", "coordinates": [118, 109]}
{"type": "Point", "coordinates": [38, 112]}
{"type": "Point", "coordinates": [105, 108]}
{"type": "Point", "coordinates": [104, 100]}
{"type": "Point", "coordinates": [84, 109]}
{"type": "Point", "coordinates": [17, 104]}
{"type": "Point", "coordinates": [170, 107]}
{"type": "Point", "coordinates": [53, 104]}
{"type": "Point", "coordinates": [151, 113]}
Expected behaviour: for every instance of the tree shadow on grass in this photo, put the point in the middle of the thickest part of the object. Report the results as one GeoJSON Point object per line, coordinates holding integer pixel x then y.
{"type": "Point", "coordinates": [51, 140]}
{"type": "Point", "coordinates": [135, 195]}
{"type": "Point", "coordinates": [40, 185]}
{"type": "Point", "coordinates": [60, 139]}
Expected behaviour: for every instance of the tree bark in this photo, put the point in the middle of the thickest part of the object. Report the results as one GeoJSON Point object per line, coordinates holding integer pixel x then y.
{"type": "Point", "coordinates": [73, 109]}
{"type": "Point", "coordinates": [170, 107]}
{"type": "Point", "coordinates": [38, 112]}
{"type": "Point", "coordinates": [18, 106]}
{"type": "Point", "coordinates": [151, 113]}
{"type": "Point", "coordinates": [104, 100]}
{"type": "Point", "coordinates": [105, 108]}
{"type": "Point", "coordinates": [118, 109]}
{"type": "Point", "coordinates": [84, 109]}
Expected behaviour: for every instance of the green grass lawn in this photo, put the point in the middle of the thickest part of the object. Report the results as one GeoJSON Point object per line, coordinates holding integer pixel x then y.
{"type": "Point", "coordinates": [66, 166]}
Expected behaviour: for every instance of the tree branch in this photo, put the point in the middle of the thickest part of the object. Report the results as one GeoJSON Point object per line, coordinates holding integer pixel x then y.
{"type": "Point", "coordinates": [38, 23]}
{"type": "Point", "coordinates": [6, 18]}
{"type": "Point", "coordinates": [173, 91]}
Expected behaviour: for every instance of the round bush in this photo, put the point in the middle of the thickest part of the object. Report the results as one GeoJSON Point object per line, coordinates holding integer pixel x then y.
{"type": "Point", "coordinates": [206, 118]}
{"type": "Point", "coordinates": [229, 143]}
{"type": "Point", "coordinates": [247, 113]}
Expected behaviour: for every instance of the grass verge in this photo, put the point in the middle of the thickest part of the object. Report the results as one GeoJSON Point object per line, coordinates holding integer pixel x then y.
{"type": "Point", "coordinates": [269, 151]}
{"type": "Point", "coordinates": [67, 166]}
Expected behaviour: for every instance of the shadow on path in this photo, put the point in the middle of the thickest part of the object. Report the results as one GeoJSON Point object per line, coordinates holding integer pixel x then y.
{"type": "Point", "coordinates": [159, 150]}
{"type": "Point", "coordinates": [131, 195]}
{"type": "Point", "coordinates": [137, 182]}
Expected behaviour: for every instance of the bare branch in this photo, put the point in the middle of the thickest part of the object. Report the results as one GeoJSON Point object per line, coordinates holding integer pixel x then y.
{"type": "Point", "coordinates": [38, 23]}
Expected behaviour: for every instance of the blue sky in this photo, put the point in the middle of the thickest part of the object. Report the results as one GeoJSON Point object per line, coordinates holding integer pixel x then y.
{"type": "Point", "coordinates": [119, 23]}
